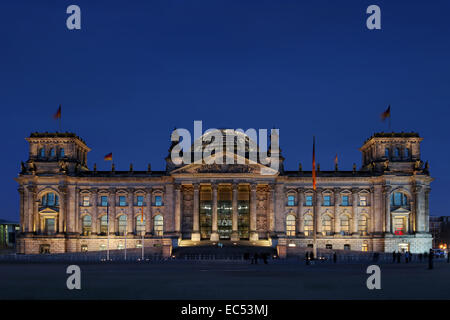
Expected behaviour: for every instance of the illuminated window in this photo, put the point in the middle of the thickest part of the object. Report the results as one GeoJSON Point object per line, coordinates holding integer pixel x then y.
{"type": "Point", "coordinates": [102, 247]}
{"type": "Point", "coordinates": [61, 153]}
{"type": "Point", "coordinates": [346, 247]}
{"type": "Point", "coordinates": [327, 201]}
{"type": "Point", "coordinates": [52, 152]}
{"type": "Point", "coordinates": [399, 199]}
{"type": "Point", "coordinates": [84, 248]}
{"type": "Point", "coordinates": [50, 200]}
{"type": "Point", "coordinates": [140, 225]}
{"type": "Point", "coordinates": [362, 224]}
{"type": "Point", "coordinates": [399, 225]}
{"type": "Point", "coordinates": [345, 201]}
{"type": "Point", "coordinates": [86, 224]}
{"type": "Point", "coordinates": [291, 200]}
{"type": "Point", "coordinates": [104, 224]}
{"type": "Point", "coordinates": [365, 247]}
{"type": "Point", "coordinates": [49, 225]}
{"type": "Point", "coordinates": [386, 152]}
{"type": "Point", "coordinates": [397, 152]}
{"type": "Point", "coordinates": [122, 201]}
{"type": "Point", "coordinates": [326, 224]}
{"type": "Point", "coordinates": [309, 200]}
{"type": "Point", "coordinates": [42, 152]}
{"type": "Point", "coordinates": [407, 152]}
{"type": "Point", "coordinates": [122, 224]}
{"type": "Point", "coordinates": [363, 201]}
{"type": "Point", "coordinates": [308, 225]}
{"type": "Point", "coordinates": [104, 201]}
{"type": "Point", "coordinates": [140, 201]}
{"type": "Point", "coordinates": [158, 201]}
{"type": "Point", "coordinates": [86, 201]}
{"type": "Point", "coordinates": [345, 224]}
{"type": "Point", "coordinates": [290, 225]}
{"type": "Point", "coordinates": [158, 225]}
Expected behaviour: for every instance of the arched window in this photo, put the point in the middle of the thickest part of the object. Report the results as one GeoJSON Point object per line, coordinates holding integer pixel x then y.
{"type": "Point", "coordinates": [308, 225]}
{"type": "Point", "coordinates": [345, 224]}
{"type": "Point", "coordinates": [406, 152]}
{"type": "Point", "coordinates": [52, 152]}
{"type": "Point", "coordinates": [326, 224]}
{"type": "Point", "coordinates": [42, 152]}
{"type": "Point", "coordinates": [122, 224]}
{"type": "Point", "coordinates": [158, 225]}
{"type": "Point", "coordinates": [61, 153]}
{"type": "Point", "coordinates": [386, 152]}
{"type": "Point", "coordinates": [50, 200]}
{"type": "Point", "coordinates": [397, 152]}
{"type": "Point", "coordinates": [362, 224]}
{"type": "Point", "coordinates": [104, 225]}
{"type": "Point", "coordinates": [399, 199]}
{"type": "Point", "coordinates": [140, 224]}
{"type": "Point", "coordinates": [290, 225]}
{"type": "Point", "coordinates": [86, 224]}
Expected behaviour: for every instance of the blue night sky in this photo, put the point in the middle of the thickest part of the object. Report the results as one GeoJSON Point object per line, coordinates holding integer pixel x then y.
{"type": "Point", "coordinates": [137, 69]}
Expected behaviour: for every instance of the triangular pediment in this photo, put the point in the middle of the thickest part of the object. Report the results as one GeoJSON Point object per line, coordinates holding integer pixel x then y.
{"type": "Point", "coordinates": [400, 211]}
{"type": "Point", "coordinates": [231, 163]}
{"type": "Point", "coordinates": [48, 211]}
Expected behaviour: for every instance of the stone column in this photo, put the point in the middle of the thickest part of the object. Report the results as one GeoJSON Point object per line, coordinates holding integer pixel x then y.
{"type": "Point", "coordinates": [148, 212]}
{"type": "Point", "coordinates": [31, 204]}
{"type": "Point", "coordinates": [253, 232]}
{"type": "Point", "coordinates": [177, 209]}
{"type": "Point", "coordinates": [71, 207]}
{"type": "Point", "coordinates": [112, 210]}
{"type": "Point", "coordinates": [300, 201]}
{"type": "Point", "coordinates": [94, 217]}
{"type": "Point", "coordinates": [214, 233]}
{"type": "Point", "coordinates": [319, 199]}
{"type": "Point", "coordinates": [21, 208]}
{"type": "Point", "coordinates": [196, 223]}
{"type": "Point", "coordinates": [355, 210]}
{"type": "Point", "coordinates": [271, 208]}
{"type": "Point", "coordinates": [130, 216]}
{"type": "Point", "coordinates": [62, 208]}
{"type": "Point", "coordinates": [337, 198]}
{"type": "Point", "coordinates": [371, 226]}
{"type": "Point", "coordinates": [427, 209]}
{"type": "Point", "coordinates": [387, 209]}
{"type": "Point", "coordinates": [235, 232]}
{"type": "Point", "coordinates": [420, 208]}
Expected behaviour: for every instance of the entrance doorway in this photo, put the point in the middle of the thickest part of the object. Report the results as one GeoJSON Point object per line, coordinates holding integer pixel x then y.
{"type": "Point", "coordinates": [224, 213]}
{"type": "Point", "coordinates": [403, 247]}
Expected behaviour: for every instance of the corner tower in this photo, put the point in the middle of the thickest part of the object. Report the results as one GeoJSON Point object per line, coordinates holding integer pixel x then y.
{"type": "Point", "coordinates": [55, 153]}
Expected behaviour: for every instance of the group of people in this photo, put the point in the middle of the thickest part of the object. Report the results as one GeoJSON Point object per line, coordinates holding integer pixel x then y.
{"type": "Point", "coordinates": [255, 257]}
{"type": "Point", "coordinates": [396, 256]}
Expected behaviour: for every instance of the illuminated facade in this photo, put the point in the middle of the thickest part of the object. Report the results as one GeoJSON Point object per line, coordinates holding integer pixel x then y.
{"type": "Point", "coordinates": [382, 206]}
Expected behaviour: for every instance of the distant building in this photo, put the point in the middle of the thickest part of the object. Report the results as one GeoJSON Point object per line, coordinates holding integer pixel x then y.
{"type": "Point", "coordinates": [67, 207]}
{"type": "Point", "coordinates": [440, 230]}
{"type": "Point", "coordinates": [8, 231]}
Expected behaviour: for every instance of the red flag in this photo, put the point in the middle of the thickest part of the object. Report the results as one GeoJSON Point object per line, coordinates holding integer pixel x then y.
{"type": "Point", "coordinates": [142, 215]}
{"type": "Point", "coordinates": [336, 159]}
{"type": "Point", "coordinates": [108, 157]}
{"type": "Point", "coordinates": [314, 164]}
{"type": "Point", "coordinates": [386, 114]}
{"type": "Point", "coordinates": [57, 115]}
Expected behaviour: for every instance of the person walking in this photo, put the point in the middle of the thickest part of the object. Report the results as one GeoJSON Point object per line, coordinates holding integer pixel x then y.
{"type": "Point", "coordinates": [406, 256]}
{"type": "Point", "coordinates": [399, 256]}
{"type": "Point", "coordinates": [334, 257]}
{"type": "Point", "coordinates": [394, 256]}
{"type": "Point", "coordinates": [307, 258]}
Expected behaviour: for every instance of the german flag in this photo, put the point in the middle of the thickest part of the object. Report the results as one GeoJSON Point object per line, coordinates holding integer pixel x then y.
{"type": "Point", "coordinates": [57, 115]}
{"type": "Point", "coordinates": [314, 164]}
{"type": "Point", "coordinates": [386, 114]}
{"type": "Point", "coordinates": [108, 157]}
{"type": "Point", "coordinates": [336, 160]}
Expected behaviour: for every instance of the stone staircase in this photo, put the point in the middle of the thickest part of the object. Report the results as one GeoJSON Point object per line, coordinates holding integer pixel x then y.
{"type": "Point", "coordinates": [210, 251]}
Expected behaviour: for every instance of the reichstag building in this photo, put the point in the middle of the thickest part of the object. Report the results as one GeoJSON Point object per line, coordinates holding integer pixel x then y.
{"type": "Point", "coordinates": [65, 206]}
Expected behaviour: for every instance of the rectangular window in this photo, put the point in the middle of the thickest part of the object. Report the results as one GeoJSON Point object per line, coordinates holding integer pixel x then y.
{"type": "Point", "coordinates": [291, 201]}
{"type": "Point", "coordinates": [50, 225]}
{"type": "Point", "coordinates": [122, 201]}
{"type": "Point", "coordinates": [309, 200]}
{"type": "Point", "coordinates": [140, 201]}
{"type": "Point", "coordinates": [158, 201]}
{"type": "Point", "coordinates": [345, 201]}
{"type": "Point", "coordinates": [104, 201]}
{"type": "Point", "coordinates": [363, 201]}
{"type": "Point", "coordinates": [85, 201]}
{"type": "Point", "coordinates": [327, 201]}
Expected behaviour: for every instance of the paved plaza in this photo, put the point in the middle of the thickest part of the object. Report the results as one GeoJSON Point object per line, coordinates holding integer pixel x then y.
{"type": "Point", "coordinates": [219, 280]}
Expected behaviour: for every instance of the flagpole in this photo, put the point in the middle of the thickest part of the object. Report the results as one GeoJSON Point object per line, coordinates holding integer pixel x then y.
{"type": "Point", "coordinates": [314, 200]}
{"type": "Point", "coordinates": [107, 233]}
{"type": "Point", "coordinates": [142, 222]}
